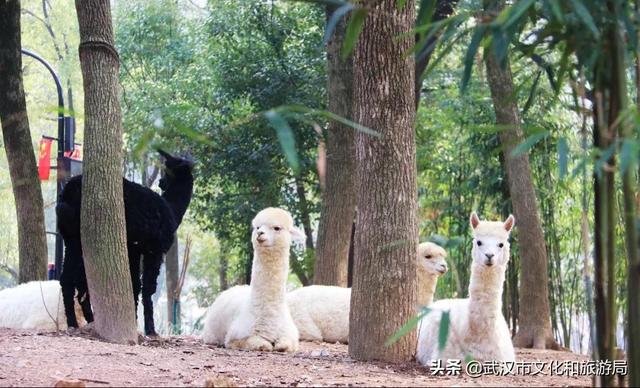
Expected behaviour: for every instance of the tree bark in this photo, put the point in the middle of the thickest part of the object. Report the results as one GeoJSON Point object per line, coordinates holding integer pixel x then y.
{"type": "Point", "coordinates": [534, 322]}
{"type": "Point", "coordinates": [172, 271]}
{"type": "Point", "coordinates": [104, 240]}
{"type": "Point", "coordinates": [32, 242]}
{"type": "Point", "coordinates": [384, 283]}
{"type": "Point", "coordinates": [224, 266]}
{"type": "Point", "coordinates": [338, 198]}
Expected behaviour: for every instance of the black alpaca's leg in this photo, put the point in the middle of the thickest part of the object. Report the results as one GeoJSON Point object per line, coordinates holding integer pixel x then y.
{"type": "Point", "coordinates": [134, 269]}
{"type": "Point", "coordinates": [151, 268]}
{"type": "Point", "coordinates": [83, 297]}
{"type": "Point", "coordinates": [72, 264]}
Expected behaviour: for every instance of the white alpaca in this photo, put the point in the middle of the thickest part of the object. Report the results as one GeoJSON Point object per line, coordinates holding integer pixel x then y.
{"type": "Point", "coordinates": [477, 327]}
{"type": "Point", "coordinates": [321, 313]}
{"type": "Point", "coordinates": [256, 317]}
{"type": "Point", "coordinates": [34, 305]}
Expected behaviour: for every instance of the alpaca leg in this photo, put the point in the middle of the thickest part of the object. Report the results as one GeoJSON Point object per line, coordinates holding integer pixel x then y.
{"type": "Point", "coordinates": [251, 343]}
{"type": "Point", "coordinates": [72, 265]}
{"type": "Point", "coordinates": [134, 268]}
{"type": "Point", "coordinates": [285, 344]}
{"type": "Point", "coordinates": [83, 296]}
{"type": "Point", "coordinates": [151, 269]}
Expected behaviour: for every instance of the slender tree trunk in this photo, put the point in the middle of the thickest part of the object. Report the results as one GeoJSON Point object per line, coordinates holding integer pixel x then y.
{"type": "Point", "coordinates": [172, 271]}
{"type": "Point", "coordinates": [224, 266]}
{"type": "Point", "coordinates": [104, 240]}
{"type": "Point", "coordinates": [32, 242]}
{"type": "Point", "coordinates": [384, 283]}
{"type": "Point", "coordinates": [534, 322]}
{"type": "Point", "coordinates": [338, 198]}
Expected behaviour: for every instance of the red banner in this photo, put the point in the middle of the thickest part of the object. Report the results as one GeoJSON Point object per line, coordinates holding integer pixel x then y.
{"type": "Point", "coordinates": [76, 154]}
{"type": "Point", "coordinates": [44, 158]}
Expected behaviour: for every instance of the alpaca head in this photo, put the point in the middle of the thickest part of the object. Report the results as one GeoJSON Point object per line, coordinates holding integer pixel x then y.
{"type": "Point", "coordinates": [273, 229]}
{"type": "Point", "coordinates": [175, 169]}
{"type": "Point", "coordinates": [490, 242]}
{"type": "Point", "coordinates": [431, 258]}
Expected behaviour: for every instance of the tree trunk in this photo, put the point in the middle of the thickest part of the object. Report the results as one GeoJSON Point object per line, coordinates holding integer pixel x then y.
{"type": "Point", "coordinates": [32, 241]}
{"type": "Point", "coordinates": [384, 283]}
{"type": "Point", "coordinates": [104, 240]}
{"type": "Point", "coordinates": [172, 271]}
{"type": "Point", "coordinates": [534, 322]}
{"type": "Point", "coordinates": [338, 198]}
{"type": "Point", "coordinates": [224, 266]}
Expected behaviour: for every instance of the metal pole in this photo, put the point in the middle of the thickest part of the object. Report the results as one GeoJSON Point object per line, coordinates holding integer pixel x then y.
{"type": "Point", "coordinates": [60, 172]}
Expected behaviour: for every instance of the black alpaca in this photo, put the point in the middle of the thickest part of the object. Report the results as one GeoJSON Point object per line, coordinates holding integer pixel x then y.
{"type": "Point", "coordinates": [151, 222]}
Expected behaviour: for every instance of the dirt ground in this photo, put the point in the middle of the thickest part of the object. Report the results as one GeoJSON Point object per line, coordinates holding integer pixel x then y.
{"type": "Point", "coordinates": [28, 358]}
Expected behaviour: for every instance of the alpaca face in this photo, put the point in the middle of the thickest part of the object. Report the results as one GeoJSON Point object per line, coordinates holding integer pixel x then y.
{"type": "Point", "coordinates": [174, 168]}
{"type": "Point", "coordinates": [432, 258]}
{"type": "Point", "coordinates": [491, 241]}
{"type": "Point", "coordinates": [273, 227]}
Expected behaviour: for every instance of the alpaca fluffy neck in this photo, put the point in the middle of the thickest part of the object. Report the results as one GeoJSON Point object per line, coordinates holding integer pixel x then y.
{"type": "Point", "coordinates": [269, 277]}
{"type": "Point", "coordinates": [485, 297]}
{"type": "Point", "coordinates": [178, 195]}
{"type": "Point", "coordinates": [426, 287]}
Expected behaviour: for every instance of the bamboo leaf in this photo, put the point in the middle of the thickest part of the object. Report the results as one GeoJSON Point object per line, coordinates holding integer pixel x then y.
{"type": "Point", "coordinates": [443, 330]}
{"type": "Point", "coordinates": [334, 20]}
{"type": "Point", "coordinates": [563, 157]}
{"type": "Point", "coordinates": [286, 138]}
{"type": "Point", "coordinates": [407, 327]}
{"type": "Point", "coordinates": [529, 142]}
{"type": "Point", "coordinates": [425, 12]}
{"type": "Point", "coordinates": [470, 56]}
{"type": "Point", "coordinates": [628, 155]}
{"type": "Point", "coordinates": [400, 4]}
{"type": "Point", "coordinates": [532, 93]}
{"type": "Point", "coordinates": [557, 10]}
{"type": "Point", "coordinates": [354, 28]}
{"type": "Point", "coordinates": [511, 15]}
{"type": "Point", "coordinates": [584, 14]}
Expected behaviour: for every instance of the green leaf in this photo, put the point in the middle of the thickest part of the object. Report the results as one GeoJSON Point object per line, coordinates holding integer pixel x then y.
{"type": "Point", "coordinates": [511, 15]}
{"type": "Point", "coordinates": [529, 142]}
{"type": "Point", "coordinates": [584, 14]}
{"type": "Point", "coordinates": [407, 327]}
{"type": "Point", "coordinates": [425, 12]}
{"type": "Point", "coordinates": [628, 155]}
{"type": "Point", "coordinates": [469, 57]}
{"type": "Point", "coordinates": [557, 10]}
{"type": "Point", "coordinates": [563, 157]}
{"type": "Point", "coordinates": [354, 28]}
{"type": "Point", "coordinates": [333, 21]}
{"type": "Point", "coordinates": [443, 330]}
{"type": "Point", "coordinates": [532, 93]}
{"type": "Point", "coordinates": [400, 4]}
{"type": "Point", "coordinates": [286, 138]}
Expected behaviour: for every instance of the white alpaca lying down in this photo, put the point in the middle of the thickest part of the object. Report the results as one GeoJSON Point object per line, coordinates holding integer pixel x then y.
{"type": "Point", "coordinates": [256, 317]}
{"type": "Point", "coordinates": [321, 313]}
{"type": "Point", "coordinates": [25, 306]}
{"type": "Point", "coordinates": [477, 327]}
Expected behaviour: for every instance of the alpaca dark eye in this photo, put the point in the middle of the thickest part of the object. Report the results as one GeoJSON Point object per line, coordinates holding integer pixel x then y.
{"type": "Point", "coordinates": [479, 243]}
{"type": "Point", "coordinates": [428, 256]}
{"type": "Point", "coordinates": [501, 245]}
{"type": "Point", "coordinates": [277, 228]}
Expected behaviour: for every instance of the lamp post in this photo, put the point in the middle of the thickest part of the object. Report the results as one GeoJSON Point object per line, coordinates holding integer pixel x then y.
{"type": "Point", "coordinates": [62, 172]}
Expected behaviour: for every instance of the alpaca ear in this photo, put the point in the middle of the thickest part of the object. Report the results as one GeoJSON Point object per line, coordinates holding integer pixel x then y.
{"type": "Point", "coordinates": [508, 224]}
{"type": "Point", "coordinates": [297, 235]}
{"type": "Point", "coordinates": [474, 220]}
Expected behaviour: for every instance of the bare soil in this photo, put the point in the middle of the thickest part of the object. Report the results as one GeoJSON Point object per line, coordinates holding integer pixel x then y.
{"type": "Point", "coordinates": [29, 358]}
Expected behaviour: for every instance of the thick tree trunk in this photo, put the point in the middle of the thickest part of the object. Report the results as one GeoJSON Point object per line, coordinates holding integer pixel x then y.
{"type": "Point", "coordinates": [172, 271]}
{"type": "Point", "coordinates": [534, 322]}
{"type": "Point", "coordinates": [338, 198]}
{"type": "Point", "coordinates": [384, 283]}
{"type": "Point", "coordinates": [104, 240]}
{"type": "Point", "coordinates": [32, 242]}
